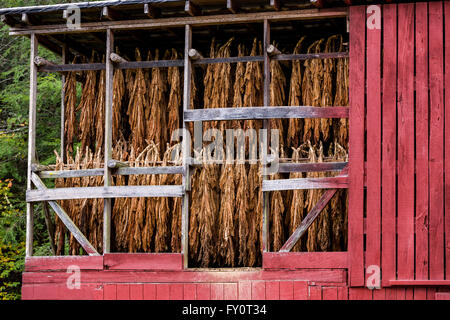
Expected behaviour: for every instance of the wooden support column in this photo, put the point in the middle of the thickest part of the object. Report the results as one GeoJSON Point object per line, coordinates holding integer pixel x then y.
{"type": "Point", "coordinates": [108, 140]}
{"type": "Point", "coordinates": [266, 128]}
{"type": "Point", "coordinates": [186, 148]}
{"type": "Point", "coordinates": [64, 59]}
{"type": "Point", "coordinates": [31, 140]}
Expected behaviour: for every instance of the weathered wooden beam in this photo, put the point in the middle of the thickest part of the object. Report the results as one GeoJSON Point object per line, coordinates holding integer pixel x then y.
{"type": "Point", "coordinates": [72, 67]}
{"type": "Point", "coordinates": [233, 6]}
{"type": "Point", "coordinates": [64, 60]}
{"type": "Point", "coordinates": [40, 62]}
{"type": "Point", "coordinates": [311, 167]}
{"type": "Point", "coordinates": [194, 54]}
{"type": "Point", "coordinates": [148, 170]}
{"type": "Point", "coordinates": [150, 64]}
{"type": "Point", "coordinates": [312, 215]}
{"type": "Point", "coordinates": [287, 15]}
{"type": "Point", "coordinates": [228, 60]}
{"type": "Point", "coordinates": [272, 50]}
{"type": "Point", "coordinates": [50, 174]}
{"type": "Point", "coordinates": [105, 193]}
{"type": "Point", "coordinates": [305, 184]}
{"type": "Point", "coordinates": [308, 56]}
{"type": "Point", "coordinates": [64, 217]}
{"type": "Point", "coordinates": [115, 164]}
{"type": "Point", "coordinates": [151, 11]}
{"type": "Point", "coordinates": [261, 113]}
{"type": "Point", "coordinates": [192, 9]}
{"type": "Point", "coordinates": [110, 14]}
{"type": "Point", "coordinates": [50, 226]}
{"type": "Point", "coordinates": [117, 58]}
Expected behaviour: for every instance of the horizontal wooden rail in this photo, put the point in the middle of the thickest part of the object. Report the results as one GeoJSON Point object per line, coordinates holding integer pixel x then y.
{"type": "Point", "coordinates": [426, 283]}
{"type": "Point", "coordinates": [72, 67]}
{"type": "Point", "coordinates": [182, 21]}
{"type": "Point", "coordinates": [311, 167]}
{"type": "Point", "coordinates": [256, 113]}
{"type": "Point", "coordinates": [308, 56]}
{"type": "Point", "coordinates": [105, 193]}
{"type": "Point", "coordinates": [305, 260]}
{"type": "Point", "coordinates": [305, 183]}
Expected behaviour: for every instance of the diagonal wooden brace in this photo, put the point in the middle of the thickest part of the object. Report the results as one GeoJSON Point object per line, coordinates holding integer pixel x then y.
{"type": "Point", "coordinates": [87, 246]}
{"type": "Point", "coordinates": [311, 216]}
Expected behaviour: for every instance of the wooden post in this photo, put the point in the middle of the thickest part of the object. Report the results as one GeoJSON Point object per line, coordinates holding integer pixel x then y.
{"type": "Point", "coordinates": [64, 59]}
{"type": "Point", "coordinates": [266, 127]}
{"type": "Point", "coordinates": [186, 148]}
{"type": "Point", "coordinates": [31, 140]}
{"type": "Point", "coordinates": [108, 140]}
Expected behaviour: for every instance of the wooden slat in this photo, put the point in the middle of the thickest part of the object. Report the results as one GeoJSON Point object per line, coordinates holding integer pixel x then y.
{"type": "Point", "coordinates": [149, 291]}
{"type": "Point", "coordinates": [136, 291]}
{"type": "Point", "coordinates": [436, 151]}
{"type": "Point", "coordinates": [64, 217]}
{"type": "Point", "coordinates": [190, 291]}
{"type": "Point", "coordinates": [373, 234]}
{"type": "Point", "coordinates": [388, 176]}
{"type": "Point", "coordinates": [447, 137]}
{"type": "Point", "coordinates": [182, 21]}
{"type": "Point", "coordinates": [62, 263]}
{"type": "Point", "coordinates": [356, 145]}
{"type": "Point", "coordinates": [147, 261]}
{"type": "Point", "coordinates": [204, 291]}
{"type": "Point", "coordinates": [286, 290]}
{"type": "Point", "coordinates": [301, 260]}
{"type": "Point", "coordinates": [72, 67]}
{"type": "Point", "coordinates": [311, 167]}
{"type": "Point", "coordinates": [273, 290]}
{"type": "Point", "coordinates": [259, 113]}
{"type": "Point", "coordinates": [245, 290]}
{"type": "Point", "coordinates": [216, 291]}
{"type": "Point", "coordinates": [308, 56]}
{"type": "Point", "coordinates": [315, 293]}
{"type": "Point", "coordinates": [422, 283]}
{"type": "Point", "coordinates": [305, 183]}
{"type": "Point", "coordinates": [421, 226]}
{"type": "Point", "coordinates": [105, 193]}
{"type": "Point", "coordinates": [31, 141]}
{"type": "Point", "coordinates": [72, 173]}
{"type": "Point", "coordinates": [405, 143]}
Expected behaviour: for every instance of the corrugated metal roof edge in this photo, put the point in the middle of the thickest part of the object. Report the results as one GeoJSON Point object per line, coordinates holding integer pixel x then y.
{"type": "Point", "coordinates": [81, 5]}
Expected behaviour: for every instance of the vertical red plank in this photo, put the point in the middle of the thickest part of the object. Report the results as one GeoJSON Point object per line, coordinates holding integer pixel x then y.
{"type": "Point", "coordinates": [315, 292]}
{"type": "Point", "coordinates": [379, 294]}
{"type": "Point", "coordinates": [149, 291]}
{"type": "Point", "coordinates": [421, 141]}
{"type": "Point", "coordinates": [230, 291]}
{"type": "Point", "coordinates": [388, 176]}
{"type": "Point", "coordinates": [391, 294]}
{"type": "Point", "coordinates": [162, 291]}
{"type": "Point", "coordinates": [401, 293]}
{"type": "Point", "coordinates": [342, 293]}
{"type": "Point", "coordinates": [447, 137]}
{"type": "Point", "coordinates": [330, 293]}
{"type": "Point", "coordinates": [300, 290]}
{"type": "Point", "coordinates": [203, 291]}
{"type": "Point", "coordinates": [436, 175]}
{"type": "Point", "coordinates": [258, 290]}
{"type": "Point", "coordinates": [190, 291]}
{"type": "Point", "coordinates": [405, 142]}
{"type": "Point", "coordinates": [409, 294]}
{"type": "Point", "coordinates": [356, 145]}
{"type": "Point", "coordinates": [176, 291]}
{"type": "Point", "coordinates": [273, 290]}
{"type": "Point", "coordinates": [123, 291]}
{"type": "Point", "coordinates": [286, 290]}
{"type": "Point", "coordinates": [216, 291]}
{"type": "Point", "coordinates": [245, 290]}
{"type": "Point", "coordinates": [360, 294]}
{"type": "Point", "coordinates": [28, 292]}
{"type": "Point", "coordinates": [373, 232]}
{"type": "Point", "coordinates": [136, 291]}
{"type": "Point", "coordinates": [431, 292]}
{"type": "Point", "coordinates": [420, 293]}
{"type": "Point", "coordinates": [110, 292]}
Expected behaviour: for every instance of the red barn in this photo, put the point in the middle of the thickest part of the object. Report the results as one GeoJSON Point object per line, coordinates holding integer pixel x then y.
{"type": "Point", "coordinates": [397, 173]}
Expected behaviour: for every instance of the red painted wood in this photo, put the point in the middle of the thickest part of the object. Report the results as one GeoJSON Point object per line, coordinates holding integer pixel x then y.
{"type": "Point", "coordinates": [204, 291]}
{"type": "Point", "coordinates": [431, 292]}
{"type": "Point", "coordinates": [436, 223]}
{"type": "Point", "coordinates": [190, 291]}
{"type": "Point", "coordinates": [245, 290]}
{"type": "Point", "coordinates": [379, 294]}
{"type": "Point", "coordinates": [447, 137]}
{"type": "Point", "coordinates": [317, 275]}
{"type": "Point", "coordinates": [391, 293]}
{"type": "Point", "coordinates": [405, 142]}
{"type": "Point", "coordinates": [176, 291]}
{"type": "Point", "coordinates": [420, 293]}
{"type": "Point", "coordinates": [360, 294]}
{"type": "Point", "coordinates": [149, 291]}
{"type": "Point", "coordinates": [442, 295]}
{"type": "Point", "coordinates": [330, 293]}
{"type": "Point", "coordinates": [230, 291]}
{"type": "Point", "coordinates": [421, 227]}
{"type": "Point", "coordinates": [420, 283]}
{"type": "Point", "coordinates": [136, 291]}
{"type": "Point", "coordinates": [373, 233]}
{"type": "Point", "coordinates": [356, 145]}
{"type": "Point", "coordinates": [163, 291]}
{"type": "Point", "coordinates": [301, 260]}
{"type": "Point", "coordinates": [149, 261]}
{"type": "Point", "coordinates": [286, 290]}
{"type": "Point", "coordinates": [28, 292]}
{"type": "Point", "coordinates": [272, 290]}
{"type": "Point", "coordinates": [409, 294]}
{"type": "Point", "coordinates": [61, 292]}
{"type": "Point", "coordinates": [123, 291]}
{"type": "Point", "coordinates": [258, 290]}
{"type": "Point", "coordinates": [401, 293]}
{"type": "Point", "coordinates": [33, 264]}
{"type": "Point", "coordinates": [342, 293]}
{"type": "Point", "coordinates": [315, 293]}
{"type": "Point", "coordinates": [109, 292]}
{"type": "Point", "coordinates": [388, 176]}
{"type": "Point", "coordinates": [216, 291]}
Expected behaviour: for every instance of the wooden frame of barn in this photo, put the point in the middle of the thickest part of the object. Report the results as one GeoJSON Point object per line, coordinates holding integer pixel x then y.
{"type": "Point", "coordinates": [397, 174]}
